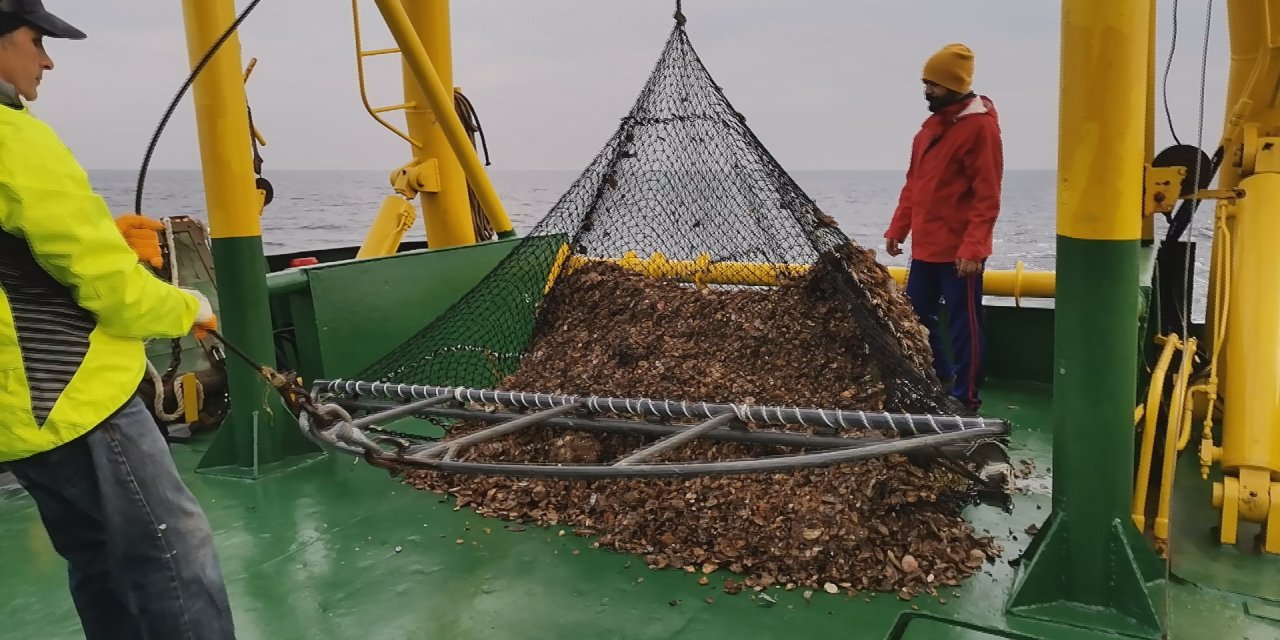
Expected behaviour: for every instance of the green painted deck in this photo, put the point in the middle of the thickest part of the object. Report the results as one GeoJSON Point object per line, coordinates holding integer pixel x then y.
{"type": "Point", "coordinates": [337, 549]}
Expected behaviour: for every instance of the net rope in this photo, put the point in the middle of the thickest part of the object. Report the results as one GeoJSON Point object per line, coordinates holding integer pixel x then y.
{"type": "Point", "coordinates": [685, 177]}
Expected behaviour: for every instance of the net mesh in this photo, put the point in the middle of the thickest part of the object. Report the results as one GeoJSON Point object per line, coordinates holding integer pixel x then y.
{"type": "Point", "coordinates": [682, 188]}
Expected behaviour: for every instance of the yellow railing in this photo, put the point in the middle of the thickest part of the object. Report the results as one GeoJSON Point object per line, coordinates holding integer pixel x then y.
{"type": "Point", "coordinates": [1018, 283]}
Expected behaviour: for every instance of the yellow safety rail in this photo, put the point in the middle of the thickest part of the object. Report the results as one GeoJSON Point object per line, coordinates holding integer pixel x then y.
{"type": "Point", "coordinates": [703, 271]}
{"type": "Point", "coordinates": [361, 54]}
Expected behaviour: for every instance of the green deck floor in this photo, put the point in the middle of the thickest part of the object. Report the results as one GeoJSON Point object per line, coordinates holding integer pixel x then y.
{"type": "Point", "coordinates": [312, 553]}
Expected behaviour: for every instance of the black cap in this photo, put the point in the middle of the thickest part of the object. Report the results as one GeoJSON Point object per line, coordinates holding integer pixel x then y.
{"type": "Point", "coordinates": [34, 13]}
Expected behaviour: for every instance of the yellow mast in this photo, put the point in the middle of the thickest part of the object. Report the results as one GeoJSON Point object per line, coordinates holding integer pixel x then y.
{"type": "Point", "coordinates": [444, 160]}
{"type": "Point", "coordinates": [445, 207]}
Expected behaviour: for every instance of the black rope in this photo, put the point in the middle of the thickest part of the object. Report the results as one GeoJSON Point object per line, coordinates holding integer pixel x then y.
{"type": "Point", "coordinates": [679, 14]}
{"type": "Point", "coordinates": [173, 105]}
{"type": "Point", "coordinates": [1164, 85]}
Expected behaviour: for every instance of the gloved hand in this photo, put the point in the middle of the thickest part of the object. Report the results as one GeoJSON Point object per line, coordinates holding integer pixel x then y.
{"type": "Point", "coordinates": [140, 233]}
{"type": "Point", "coordinates": [205, 319]}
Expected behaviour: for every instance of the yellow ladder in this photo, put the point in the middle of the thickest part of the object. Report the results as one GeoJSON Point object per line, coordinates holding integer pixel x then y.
{"type": "Point", "coordinates": [361, 54]}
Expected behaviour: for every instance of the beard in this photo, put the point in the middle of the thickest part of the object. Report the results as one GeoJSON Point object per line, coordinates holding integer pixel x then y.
{"type": "Point", "coordinates": [939, 103]}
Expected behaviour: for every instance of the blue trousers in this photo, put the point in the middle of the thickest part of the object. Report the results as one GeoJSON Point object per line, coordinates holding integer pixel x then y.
{"type": "Point", "coordinates": [932, 283]}
{"type": "Point", "coordinates": [139, 550]}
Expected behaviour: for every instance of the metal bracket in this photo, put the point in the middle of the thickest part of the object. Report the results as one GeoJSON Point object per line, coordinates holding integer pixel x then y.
{"type": "Point", "coordinates": [1268, 156]}
{"type": "Point", "coordinates": [1160, 192]}
{"type": "Point", "coordinates": [1229, 195]}
{"type": "Point", "coordinates": [425, 176]}
{"type": "Point", "coordinates": [414, 178]}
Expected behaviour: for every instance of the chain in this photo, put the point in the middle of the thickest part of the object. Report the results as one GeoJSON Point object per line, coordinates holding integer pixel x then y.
{"type": "Point", "coordinates": [331, 422]}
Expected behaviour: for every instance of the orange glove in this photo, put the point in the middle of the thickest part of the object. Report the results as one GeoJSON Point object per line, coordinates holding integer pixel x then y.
{"type": "Point", "coordinates": [202, 329]}
{"type": "Point", "coordinates": [205, 320]}
{"type": "Point", "coordinates": [140, 233]}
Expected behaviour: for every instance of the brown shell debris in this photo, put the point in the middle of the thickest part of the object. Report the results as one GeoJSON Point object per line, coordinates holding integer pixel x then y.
{"type": "Point", "coordinates": [880, 525]}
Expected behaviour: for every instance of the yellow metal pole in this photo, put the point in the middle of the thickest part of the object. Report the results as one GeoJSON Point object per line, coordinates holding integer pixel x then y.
{"type": "Point", "coordinates": [250, 443]}
{"type": "Point", "coordinates": [223, 123]}
{"type": "Point", "coordinates": [445, 208]}
{"type": "Point", "coordinates": [1016, 283]}
{"type": "Point", "coordinates": [1088, 564]}
{"type": "Point", "coordinates": [1149, 222]}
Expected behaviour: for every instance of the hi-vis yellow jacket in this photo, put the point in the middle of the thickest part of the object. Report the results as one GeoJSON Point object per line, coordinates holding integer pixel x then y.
{"type": "Point", "coordinates": [75, 304]}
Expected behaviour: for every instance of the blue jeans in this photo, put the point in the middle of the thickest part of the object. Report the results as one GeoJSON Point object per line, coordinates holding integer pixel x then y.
{"type": "Point", "coordinates": [928, 283]}
{"type": "Point", "coordinates": [139, 550]}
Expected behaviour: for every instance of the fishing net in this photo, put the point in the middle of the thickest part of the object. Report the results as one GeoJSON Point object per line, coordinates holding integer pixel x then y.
{"type": "Point", "coordinates": [685, 195]}
{"type": "Point", "coordinates": [685, 264]}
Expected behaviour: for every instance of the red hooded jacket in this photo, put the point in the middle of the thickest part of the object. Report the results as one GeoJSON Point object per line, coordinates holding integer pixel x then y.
{"type": "Point", "coordinates": [952, 195]}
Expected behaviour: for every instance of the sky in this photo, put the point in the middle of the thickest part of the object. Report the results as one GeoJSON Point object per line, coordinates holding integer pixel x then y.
{"type": "Point", "coordinates": [825, 84]}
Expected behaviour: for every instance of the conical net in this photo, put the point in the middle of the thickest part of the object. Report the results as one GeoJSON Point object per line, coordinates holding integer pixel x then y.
{"type": "Point", "coordinates": [685, 264]}
{"type": "Point", "coordinates": [684, 249]}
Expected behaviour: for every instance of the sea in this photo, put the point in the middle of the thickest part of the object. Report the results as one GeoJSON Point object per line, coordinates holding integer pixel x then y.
{"type": "Point", "coordinates": [317, 209]}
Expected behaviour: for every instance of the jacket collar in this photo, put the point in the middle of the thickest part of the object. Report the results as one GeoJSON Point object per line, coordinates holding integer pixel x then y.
{"type": "Point", "coordinates": [9, 96]}
{"type": "Point", "coordinates": [977, 105]}
{"type": "Point", "coordinates": [970, 105]}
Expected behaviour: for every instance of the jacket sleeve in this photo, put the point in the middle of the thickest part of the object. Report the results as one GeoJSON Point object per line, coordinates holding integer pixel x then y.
{"type": "Point", "coordinates": [984, 167]}
{"type": "Point", "coordinates": [900, 225]}
{"type": "Point", "coordinates": [46, 200]}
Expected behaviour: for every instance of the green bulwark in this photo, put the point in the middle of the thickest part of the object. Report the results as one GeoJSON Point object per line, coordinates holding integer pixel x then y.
{"type": "Point", "coordinates": [342, 316]}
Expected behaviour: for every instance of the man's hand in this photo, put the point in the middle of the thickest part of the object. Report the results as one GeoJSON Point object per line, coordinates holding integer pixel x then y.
{"type": "Point", "coordinates": [892, 247]}
{"type": "Point", "coordinates": [205, 320]}
{"type": "Point", "coordinates": [140, 233]}
{"type": "Point", "coordinates": [966, 267]}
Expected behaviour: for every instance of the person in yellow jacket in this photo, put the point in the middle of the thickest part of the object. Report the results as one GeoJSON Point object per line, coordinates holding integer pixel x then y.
{"type": "Point", "coordinates": [75, 307]}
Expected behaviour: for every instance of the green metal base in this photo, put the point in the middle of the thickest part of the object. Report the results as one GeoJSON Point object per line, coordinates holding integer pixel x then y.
{"type": "Point", "coordinates": [1130, 603]}
{"type": "Point", "coordinates": [255, 473]}
{"type": "Point", "coordinates": [1088, 566]}
{"type": "Point", "coordinates": [222, 457]}
{"type": "Point", "coordinates": [259, 435]}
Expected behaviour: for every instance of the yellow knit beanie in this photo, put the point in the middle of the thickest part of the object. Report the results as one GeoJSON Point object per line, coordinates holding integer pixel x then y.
{"type": "Point", "coordinates": [951, 67]}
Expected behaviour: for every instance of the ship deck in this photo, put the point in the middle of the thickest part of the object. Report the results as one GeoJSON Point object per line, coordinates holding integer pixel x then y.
{"type": "Point", "coordinates": [337, 549]}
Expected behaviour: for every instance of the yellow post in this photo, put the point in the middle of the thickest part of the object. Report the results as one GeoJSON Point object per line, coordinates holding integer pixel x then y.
{"type": "Point", "coordinates": [251, 442]}
{"type": "Point", "coordinates": [223, 123]}
{"type": "Point", "coordinates": [445, 207]}
{"type": "Point", "coordinates": [440, 176]}
{"type": "Point", "coordinates": [1088, 564]}
{"type": "Point", "coordinates": [1149, 222]}
{"type": "Point", "coordinates": [1251, 389]}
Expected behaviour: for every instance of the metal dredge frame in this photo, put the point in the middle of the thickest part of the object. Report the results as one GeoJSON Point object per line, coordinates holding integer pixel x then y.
{"type": "Point", "coordinates": [384, 402]}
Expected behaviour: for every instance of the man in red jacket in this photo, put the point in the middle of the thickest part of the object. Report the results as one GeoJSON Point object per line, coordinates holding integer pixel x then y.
{"type": "Point", "coordinates": [949, 205]}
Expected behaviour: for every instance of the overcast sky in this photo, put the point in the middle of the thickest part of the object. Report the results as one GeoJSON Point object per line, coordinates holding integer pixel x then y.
{"type": "Point", "coordinates": [825, 84]}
